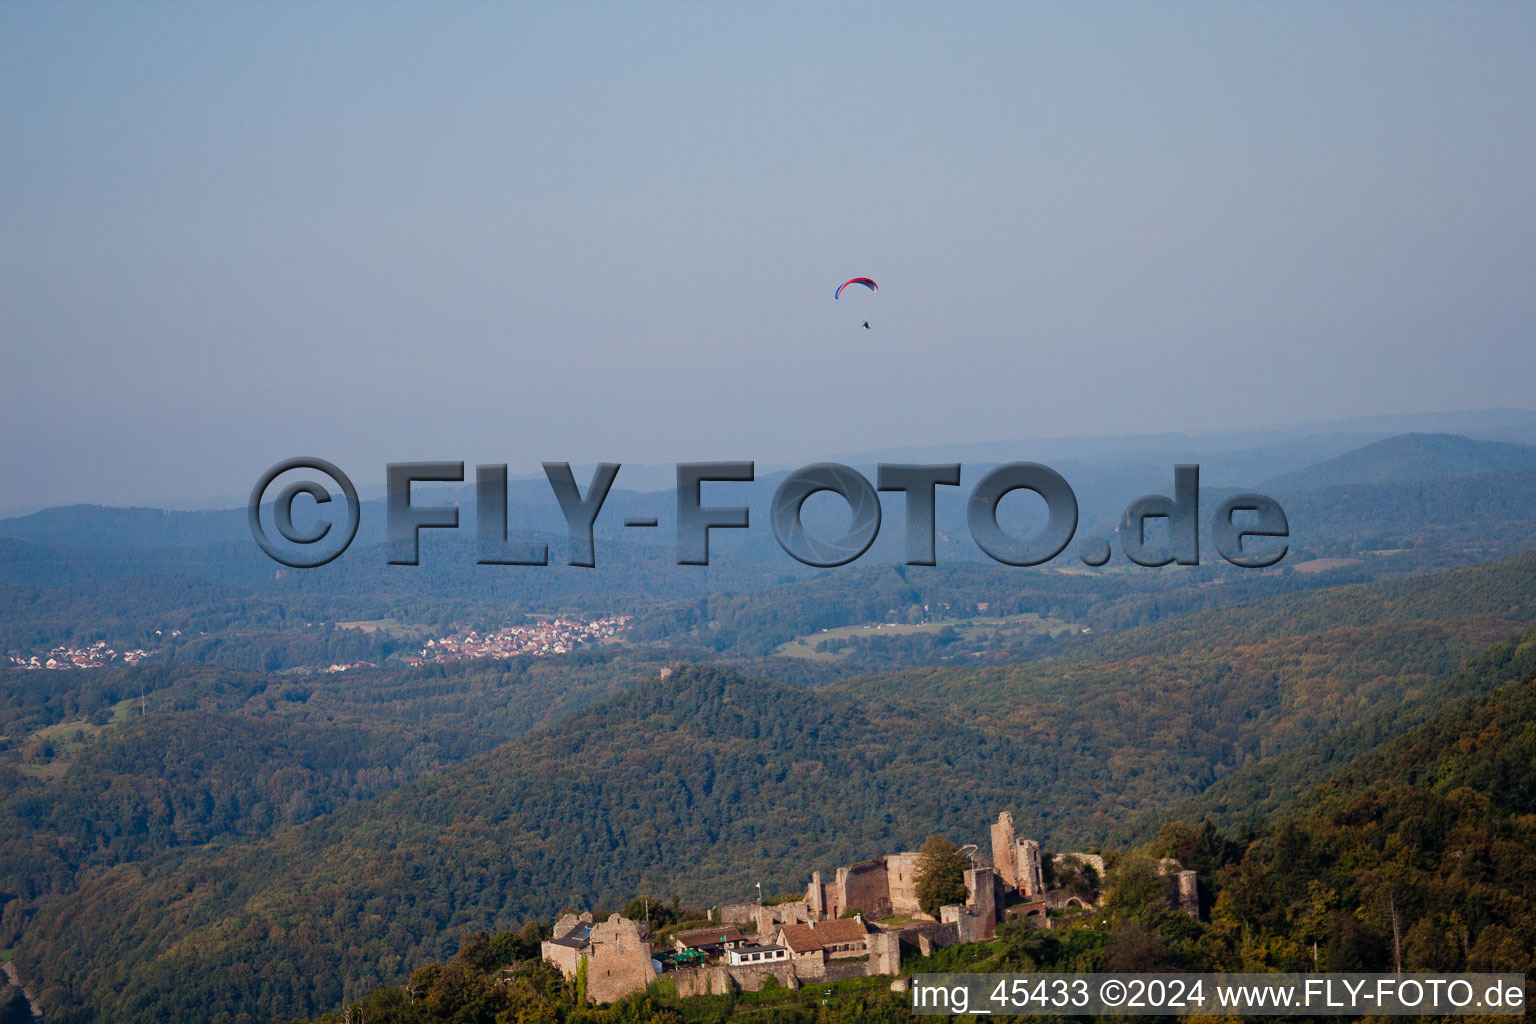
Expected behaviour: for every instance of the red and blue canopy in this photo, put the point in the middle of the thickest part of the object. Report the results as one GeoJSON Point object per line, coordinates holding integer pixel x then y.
{"type": "Point", "coordinates": [866, 282]}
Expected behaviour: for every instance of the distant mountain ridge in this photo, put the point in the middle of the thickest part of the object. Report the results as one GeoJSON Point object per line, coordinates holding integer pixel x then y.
{"type": "Point", "coordinates": [110, 525]}
{"type": "Point", "coordinates": [1262, 452]}
{"type": "Point", "coordinates": [1104, 483]}
{"type": "Point", "coordinates": [1409, 457]}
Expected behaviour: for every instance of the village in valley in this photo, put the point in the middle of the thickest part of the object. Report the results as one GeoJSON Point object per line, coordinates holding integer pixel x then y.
{"type": "Point", "coordinates": [861, 922]}
{"type": "Point", "coordinates": [96, 655]}
{"type": "Point", "coordinates": [542, 638]}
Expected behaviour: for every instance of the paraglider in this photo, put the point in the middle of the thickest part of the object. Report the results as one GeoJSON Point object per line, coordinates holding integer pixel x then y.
{"type": "Point", "coordinates": [867, 283]}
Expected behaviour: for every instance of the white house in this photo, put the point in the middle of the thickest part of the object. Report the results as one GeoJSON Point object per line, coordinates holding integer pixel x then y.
{"type": "Point", "coordinates": [751, 956]}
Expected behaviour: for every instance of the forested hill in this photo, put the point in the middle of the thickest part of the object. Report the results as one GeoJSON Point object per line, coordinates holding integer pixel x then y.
{"type": "Point", "coordinates": [1421, 853]}
{"type": "Point", "coordinates": [1250, 795]}
{"type": "Point", "coordinates": [1419, 856]}
{"type": "Point", "coordinates": [1494, 591]}
{"type": "Point", "coordinates": [705, 782]}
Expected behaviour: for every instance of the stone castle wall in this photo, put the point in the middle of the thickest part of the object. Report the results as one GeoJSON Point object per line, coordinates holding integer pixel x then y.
{"type": "Point", "coordinates": [768, 919]}
{"type": "Point", "coordinates": [619, 962]}
{"type": "Point", "coordinates": [566, 958]}
{"type": "Point", "coordinates": [884, 953]}
{"type": "Point", "coordinates": [735, 913]}
{"type": "Point", "coordinates": [901, 883]}
{"type": "Point", "coordinates": [864, 887]}
{"type": "Point", "coordinates": [843, 971]}
{"type": "Point", "coordinates": [721, 979]}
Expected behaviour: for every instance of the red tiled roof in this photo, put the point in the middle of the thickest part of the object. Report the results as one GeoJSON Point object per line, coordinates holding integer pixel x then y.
{"type": "Point", "coordinates": [806, 938]}
{"type": "Point", "coordinates": [710, 936]}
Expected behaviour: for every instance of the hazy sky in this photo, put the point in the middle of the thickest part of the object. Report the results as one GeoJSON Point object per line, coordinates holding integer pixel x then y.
{"type": "Point", "coordinates": [232, 233]}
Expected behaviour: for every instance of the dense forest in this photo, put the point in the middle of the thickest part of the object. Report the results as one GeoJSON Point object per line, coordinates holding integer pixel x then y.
{"type": "Point", "coordinates": [126, 764]}
{"type": "Point", "coordinates": [1418, 855]}
{"type": "Point", "coordinates": [706, 781]}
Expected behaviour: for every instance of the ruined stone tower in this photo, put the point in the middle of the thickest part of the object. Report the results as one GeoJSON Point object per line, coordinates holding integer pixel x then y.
{"type": "Point", "coordinates": [816, 897]}
{"type": "Point", "coordinates": [981, 893]}
{"type": "Point", "coordinates": [1017, 860]}
{"type": "Point", "coordinates": [1031, 877]}
{"type": "Point", "coordinates": [1002, 849]}
{"type": "Point", "coordinates": [1184, 892]}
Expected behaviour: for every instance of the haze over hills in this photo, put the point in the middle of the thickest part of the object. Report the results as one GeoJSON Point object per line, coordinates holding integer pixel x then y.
{"type": "Point", "coordinates": [1236, 458]}
{"type": "Point", "coordinates": [1105, 477]}
{"type": "Point", "coordinates": [88, 573]}
{"type": "Point", "coordinates": [1414, 502]}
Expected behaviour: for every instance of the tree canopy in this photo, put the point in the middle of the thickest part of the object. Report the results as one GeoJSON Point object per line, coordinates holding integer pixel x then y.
{"type": "Point", "coordinates": [940, 874]}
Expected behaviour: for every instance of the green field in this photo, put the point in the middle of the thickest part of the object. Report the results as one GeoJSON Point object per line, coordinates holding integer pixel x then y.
{"type": "Point", "coordinates": [68, 739]}
{"type": "Point", "coordinates": [389, 627]}
{"type": "Point", "coordinates": [970, 630]}
{"type": "Point", "coordinates": [71, 737]}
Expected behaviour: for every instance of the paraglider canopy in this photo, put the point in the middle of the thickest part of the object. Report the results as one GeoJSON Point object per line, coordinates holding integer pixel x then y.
{"type": "Point", "coordinates": [866, 282]}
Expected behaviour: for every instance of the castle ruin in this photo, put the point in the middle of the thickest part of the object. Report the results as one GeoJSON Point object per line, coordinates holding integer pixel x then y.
{"type": "Point", "coordinates": [617, 955]}
{"type": "Point", "coordinates": [1017, 860]}
{"type": "Point", "coordinates": [883, 887]}
{"type": "Point", "coordinates": [858, 924]}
